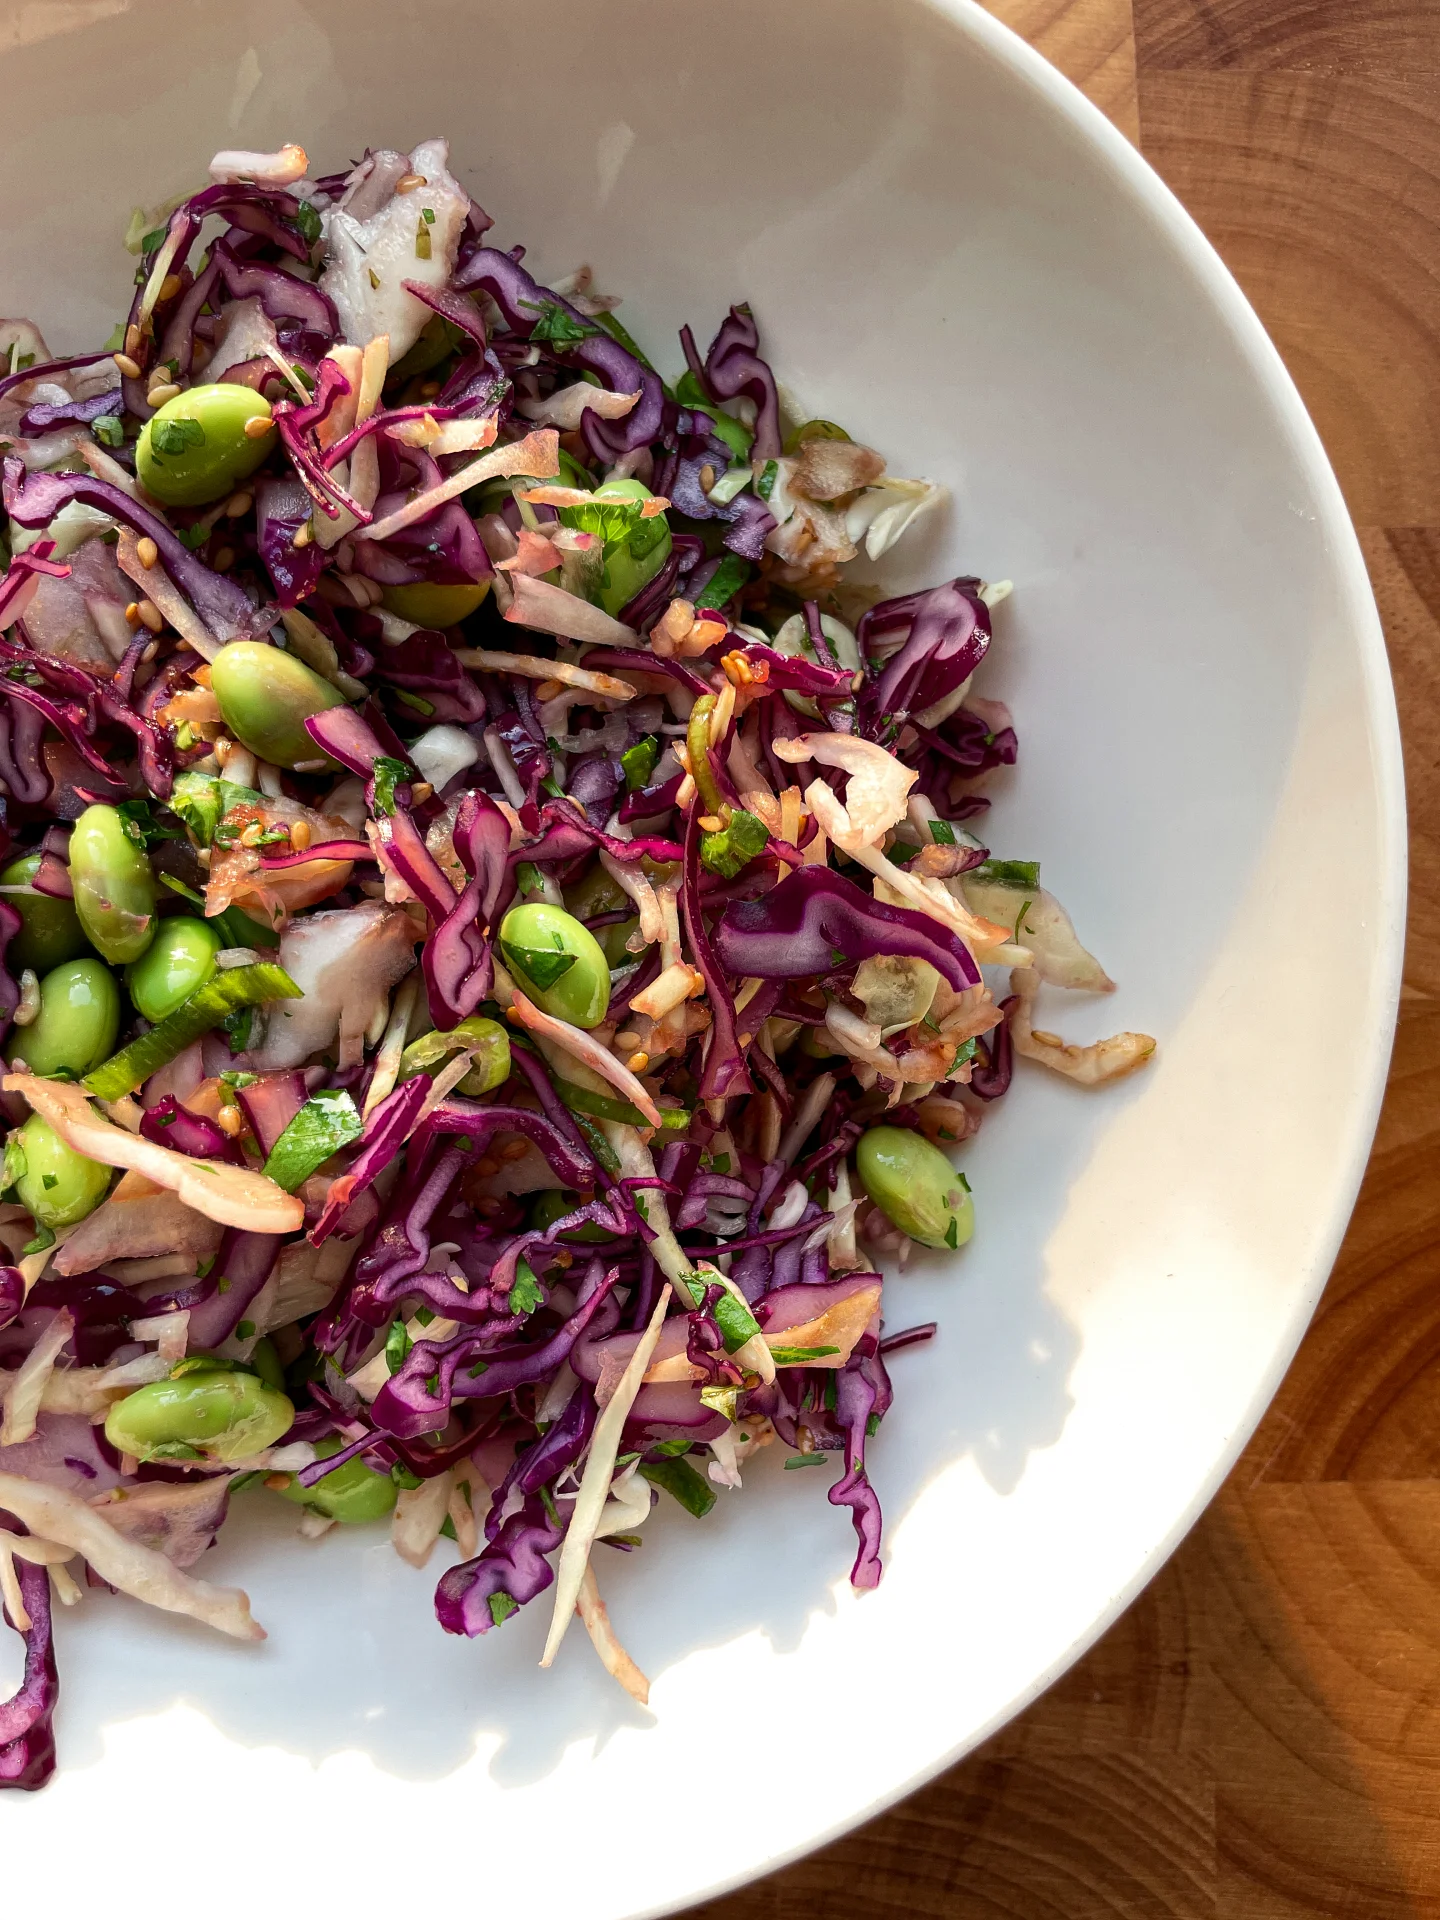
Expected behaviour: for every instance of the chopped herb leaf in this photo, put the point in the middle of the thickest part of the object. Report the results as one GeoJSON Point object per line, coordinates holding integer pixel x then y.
{"type": "Point", "coordinates": [109, 430]}
{"type": "Point", "coordinates": [556, 327]}
{"type": "Point", "coordinates": [501, 1608]}
{"type": "Point", "coordinates": [735, 1321]}
{"type": "Point", "coordinates": [245, 1330]}
{"type": "Point", "coordinates": [765, 485]}
{"type": "Point", "coordinates": [526, 1293]}
{"type": "Point", "coordinates": [800, 1356]}
{"type": "Point", "coordinates": [541, 966]}
{"type": "Point", "coordinates": [639, 762]}
{"type": "Point", "coordinates": [328, 1121]}
{"type": "Point", "coordinates": [942, 833]}
{"type": "Point", "coordinates": [680, 1480]}
{"type": "Point", "coordinates": [404, 1478]}
{"type": "Point", "coordinates": [422, 241]}
{"type": "Point", "coordinates": [952, 1234]}
{"type": "Point", "coordinates": [49, 1180]}
{"type": "Point", "coordinates": [308, 221]}
{"type": "Point", "coordinates": [142, 826]}
{"type": "Point", "coordinates": [176, 435]}
{"type": "Point", "coordinates": [43, 1238]}
{"type": "Point", "coordinates": [389, 773]}
{"type": "Point", "coordinates": [805, 1460]}
{"type": "Point", "coordinates": [723, 585]}
{"type": "Point", "coordinates": [427, 214]}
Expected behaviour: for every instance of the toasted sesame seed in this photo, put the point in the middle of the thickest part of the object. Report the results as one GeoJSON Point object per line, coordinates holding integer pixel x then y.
{"type": "Point", "coordinates": [300, 835]}
{"type": "Point", "coordinates": [201, 354]}
{"type": "Point", "coordinates": [221, 749]}
{"type": "Point", "coordinates": [146, 552]}
{"type": "Point", "coordinates": [250, 836]}
{"type": "Point", "coordinates": [638, 1062]}
{"type": "Point", "coordinates": [127, 366]}
{"type": "Point", "coordinates": [711, 822]}
{"type": "Point", "coordinates": [420, 790]}
{"type": "Point", "coordinates": [170, 286]}
{"type": "Point", "coordinates": [150, 652]}
{"type": "Point", "coordinates": [707, 477]}
{"type": "Point", "coordinates": [485, 1165]}
{"type": "Point", "coordinates": [238, 505]}
{"type": "Point", "coordinates": [224, 559]}
{"type": "Point", "coordinates": [549, 689]}
{"type": "Point", "coordinates": [230, 1120]}
{"type": "Point", "coordinates": [167, 390]}
{"type": "Point", "coordinates": [133, 338]}
{"type": "Point", "coordinates": [257, 426]}
{"type": "Point", "coordinates": [302, 535]}
{"type": "Point", "coordinates": [408, 182]}
{"type": "Point", "coordinates": [277, 1482]}
{"type": "Point", "coordinates": [627, 1040]}
{"type": "Point", "coordinates": [515, 1150]}
{"type": "Point", "coordinates": [744, 1039]}
{"type": "Point", "coordinates": [151, 615]}
{"type": "Point", "coordinates": [132, 613]}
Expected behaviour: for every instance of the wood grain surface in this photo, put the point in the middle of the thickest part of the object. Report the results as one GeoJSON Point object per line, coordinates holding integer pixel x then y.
{"type": "Point", "coordinates": [1259, 1737]}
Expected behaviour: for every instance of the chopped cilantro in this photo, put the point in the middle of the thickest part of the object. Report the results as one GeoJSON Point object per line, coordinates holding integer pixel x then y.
{"type": "Point", "coordinates": [556, 327]}
{"type": "Point", "coordinates": [525, 1292]}
{"type": "Point", "coordinates": [800, 1356]}
{"type": "Point", "coordinates": [542, 966]}
{"type": "Point", "coordinates": [308, 221]}
{"type": "Point", "coordinates": [109, 430]}
{"type": "Point", "coordinates": [639, 762]}
{"type": "Point", "coordinates": [245, 1330]}
{"type": "Point", "coordinates": [680, 1480]}
{"type": "Point", "coordinates": [388, 774]}
{"type": "Point", "coordinates": [176, 435]}
{"type": "Point", "coordinates": [43, 1238]}
{"type": "Point", "coordinates": [805, 1460]}
{"type": "Point", "coordinates": [501, 1607]}
{"type": "Point", "coordinates": [723, 585]}
{"type": "Point", "coordinates": [942, 833]}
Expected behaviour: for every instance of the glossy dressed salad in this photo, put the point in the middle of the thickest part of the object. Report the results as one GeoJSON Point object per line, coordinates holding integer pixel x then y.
{"type": "Point", "coordinates": [493, 916]}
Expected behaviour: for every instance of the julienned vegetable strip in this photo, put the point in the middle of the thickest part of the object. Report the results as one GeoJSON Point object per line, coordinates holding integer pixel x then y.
{"type": "Point", "coordinates": [539, 898]}
{"type": "Point", "coordinates": [226, 993]}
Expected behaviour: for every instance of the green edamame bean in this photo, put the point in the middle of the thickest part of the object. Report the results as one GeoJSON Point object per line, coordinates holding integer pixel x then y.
{"type": "Point", "coordinates": [266, 1362]}
{"type": "Point", "coordinates": [599, 893]}
{"type": "Point", "coordinates": [489, 1064]}
{"type": "Point", "coordinates": [914, 1185]}
{"type": "Point", "coordinates": [195, 448]}
{"type": "Point", "coordinates": [179, 959]}
{"type": "Point", "coordinates": [114, 886]}
{"type": "Point", "coordinates": [266, 697]}
{"type": "Point", "coordinates": [429, 605]}
{"type": "Point", "coordinates": [58, 1186]}
{"type": "Point", "coordinates": [50, 929]}
{"type": "Point", "coordinates": [556, 962]}
{"type": "Point", "coordinates": [352, 1494]}
{"type": "Point", "coordinates": [77, 1023]}
{"type": "Point", "coordinates": [220, 1415]}
{"type": "Point", "coordinates": [553, 1204]}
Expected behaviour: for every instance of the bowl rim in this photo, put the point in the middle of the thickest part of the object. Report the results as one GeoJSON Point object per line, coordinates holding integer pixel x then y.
{"type": "Point", "coordinates": [1156, 200]}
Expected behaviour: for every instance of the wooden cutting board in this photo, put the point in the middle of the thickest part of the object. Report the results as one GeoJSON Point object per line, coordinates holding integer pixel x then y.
{"type": "Point", "coordinates": [1259, 1737]}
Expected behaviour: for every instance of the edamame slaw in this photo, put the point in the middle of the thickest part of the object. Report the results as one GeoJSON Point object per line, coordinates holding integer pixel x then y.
{"type": "Point", "coordinates": [500, 940]}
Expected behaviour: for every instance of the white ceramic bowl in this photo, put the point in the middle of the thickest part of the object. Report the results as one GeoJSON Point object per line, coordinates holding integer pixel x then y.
{"type": "Point", "coordinates": [954, 254]}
